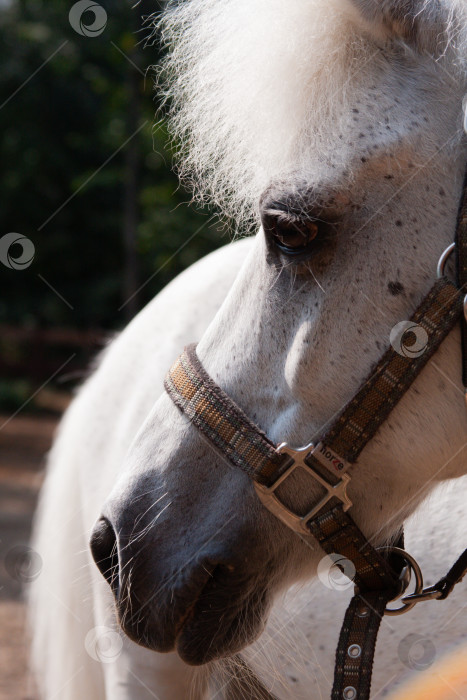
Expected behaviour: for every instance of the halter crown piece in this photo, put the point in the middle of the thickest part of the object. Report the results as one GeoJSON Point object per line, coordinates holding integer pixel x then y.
{"type": "Point", "coordinates": [381, 575]}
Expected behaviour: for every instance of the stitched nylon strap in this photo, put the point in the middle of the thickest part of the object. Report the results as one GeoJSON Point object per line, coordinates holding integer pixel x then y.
{"type": "Point", "coordinates": [235, 436]}
{"type": "Point", "coordinates": [337, 533]}
{"type": "Point", "coordinates": [394, 374]}
{"type": "Point", "coordinates": [355, 649]}
{"type": "Point", "coordinates": [246, 446]}
{"type": "Point", "coordinates": [220, 419]}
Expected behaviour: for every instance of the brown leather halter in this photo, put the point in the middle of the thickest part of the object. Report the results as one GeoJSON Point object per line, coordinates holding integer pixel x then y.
{"type": "Point", "coordinates": [382, 574]}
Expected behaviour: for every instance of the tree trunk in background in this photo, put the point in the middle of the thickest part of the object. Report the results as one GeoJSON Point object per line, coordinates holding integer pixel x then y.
{"type": "Point", "coordinates": [130, 197]}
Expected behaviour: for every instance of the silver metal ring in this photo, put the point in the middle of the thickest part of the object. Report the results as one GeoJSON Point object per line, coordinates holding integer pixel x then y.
{"type": "Point", "coordinates": [443, 260]}
{"type": "Point", "coordinates": [405, 607]}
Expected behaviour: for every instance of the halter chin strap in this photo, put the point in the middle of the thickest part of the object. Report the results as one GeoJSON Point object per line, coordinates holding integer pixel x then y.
{"type": "Point", "coordinates": [380, 576]}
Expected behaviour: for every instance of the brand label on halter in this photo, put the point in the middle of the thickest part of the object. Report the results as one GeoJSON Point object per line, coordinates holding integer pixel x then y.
{"type": "Point", "coordinates": [329, 458]}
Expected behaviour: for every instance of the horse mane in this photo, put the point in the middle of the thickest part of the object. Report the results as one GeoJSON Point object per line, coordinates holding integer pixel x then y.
{"type": "Point", "coordinates": [251, 87]}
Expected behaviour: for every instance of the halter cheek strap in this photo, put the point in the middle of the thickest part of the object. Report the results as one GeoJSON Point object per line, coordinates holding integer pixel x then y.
{"type": "Point", "coordinates": [214, 413]}
{"type": "Point", "coordinates": [380, 576]}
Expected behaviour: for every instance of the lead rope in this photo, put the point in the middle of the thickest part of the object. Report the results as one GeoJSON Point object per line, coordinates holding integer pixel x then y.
{"type": "Point", "coordinates": [377, 576]}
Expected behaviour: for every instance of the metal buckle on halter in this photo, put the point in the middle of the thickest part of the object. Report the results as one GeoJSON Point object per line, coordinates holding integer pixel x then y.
{"type": "Point", "coordinates": [296, 522]}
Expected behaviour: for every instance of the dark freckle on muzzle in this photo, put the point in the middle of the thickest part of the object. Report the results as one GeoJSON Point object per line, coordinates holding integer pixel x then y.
{"type": "Point", "coordinates": [395, 288]}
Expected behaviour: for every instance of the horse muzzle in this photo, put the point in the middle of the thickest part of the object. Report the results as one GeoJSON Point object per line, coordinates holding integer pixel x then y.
{"type": "Point", "coordinates": [206, 609]}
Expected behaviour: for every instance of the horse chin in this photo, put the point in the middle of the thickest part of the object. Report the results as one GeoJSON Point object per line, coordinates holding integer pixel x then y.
{"type": "Point", "coordinates": [220, 626]}
{"type": "Point", "coordinates": [148, 635]}
{"type": "Point", "coordinates": [215, 625]}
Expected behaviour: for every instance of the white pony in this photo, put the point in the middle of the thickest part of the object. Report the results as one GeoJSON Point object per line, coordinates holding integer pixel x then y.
{"type": "Point", "coordinates": [343, 118]}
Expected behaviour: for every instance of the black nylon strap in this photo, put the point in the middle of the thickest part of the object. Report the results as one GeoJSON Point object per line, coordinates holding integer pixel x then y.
{"type": "Point", "coordinates": [337, 533]}
{"type": "Point", "coordinates": [454, 576]}
{"type": "Point", "coordinates": [356, 646]}
{"type": "Point", "coordinates": [461, 261]}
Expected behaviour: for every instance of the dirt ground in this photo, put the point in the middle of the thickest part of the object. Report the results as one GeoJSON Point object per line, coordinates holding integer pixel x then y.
{"type": "Point", "coordinates": [24, 440]}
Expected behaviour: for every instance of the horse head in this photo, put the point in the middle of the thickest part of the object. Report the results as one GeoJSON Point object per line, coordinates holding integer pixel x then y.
{"type": "Point", "coordinates": [340, 123]}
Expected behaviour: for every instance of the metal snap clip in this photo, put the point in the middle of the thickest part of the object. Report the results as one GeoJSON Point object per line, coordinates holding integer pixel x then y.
{"type": "Point", "coordinates": [405, 579]}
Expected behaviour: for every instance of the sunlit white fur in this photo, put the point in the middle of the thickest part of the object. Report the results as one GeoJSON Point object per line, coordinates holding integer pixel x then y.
{"type": "Point", "coordinates": [254, 86]}
{"type": "Point", "coordinates": [262, 92]}
{"type": "Point", "coordinates": [70, 597]}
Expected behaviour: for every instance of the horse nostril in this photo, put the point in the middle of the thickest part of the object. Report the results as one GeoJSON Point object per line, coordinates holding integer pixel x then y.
{"type": "Point", "coordinates": [104, 550]}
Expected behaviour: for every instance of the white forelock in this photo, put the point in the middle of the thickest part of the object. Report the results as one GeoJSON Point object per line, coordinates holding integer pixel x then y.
{"type": "Point", "coordinates": [253, 85]}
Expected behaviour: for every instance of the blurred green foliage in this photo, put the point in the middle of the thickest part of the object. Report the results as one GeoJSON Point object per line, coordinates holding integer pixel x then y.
{"type": "Point", "coordinates": [85, 172]}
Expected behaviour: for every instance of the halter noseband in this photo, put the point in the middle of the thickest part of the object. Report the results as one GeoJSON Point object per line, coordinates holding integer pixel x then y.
{"type": "Point", "coordinates": [382, 574]}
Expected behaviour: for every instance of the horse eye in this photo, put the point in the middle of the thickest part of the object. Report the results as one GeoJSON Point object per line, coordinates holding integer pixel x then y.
{"type": "Point", "coordinates": [294, 237]}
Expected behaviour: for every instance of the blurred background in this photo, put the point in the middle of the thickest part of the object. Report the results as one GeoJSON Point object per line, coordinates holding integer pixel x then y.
{"type": "Point", "coordinates": [93, 224]}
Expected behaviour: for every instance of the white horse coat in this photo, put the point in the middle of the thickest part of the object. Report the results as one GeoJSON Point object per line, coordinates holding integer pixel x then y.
{"type": "Point", "coordinates": [295, 655]}
{"type": "Point", "coordinates": [290, 344]}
